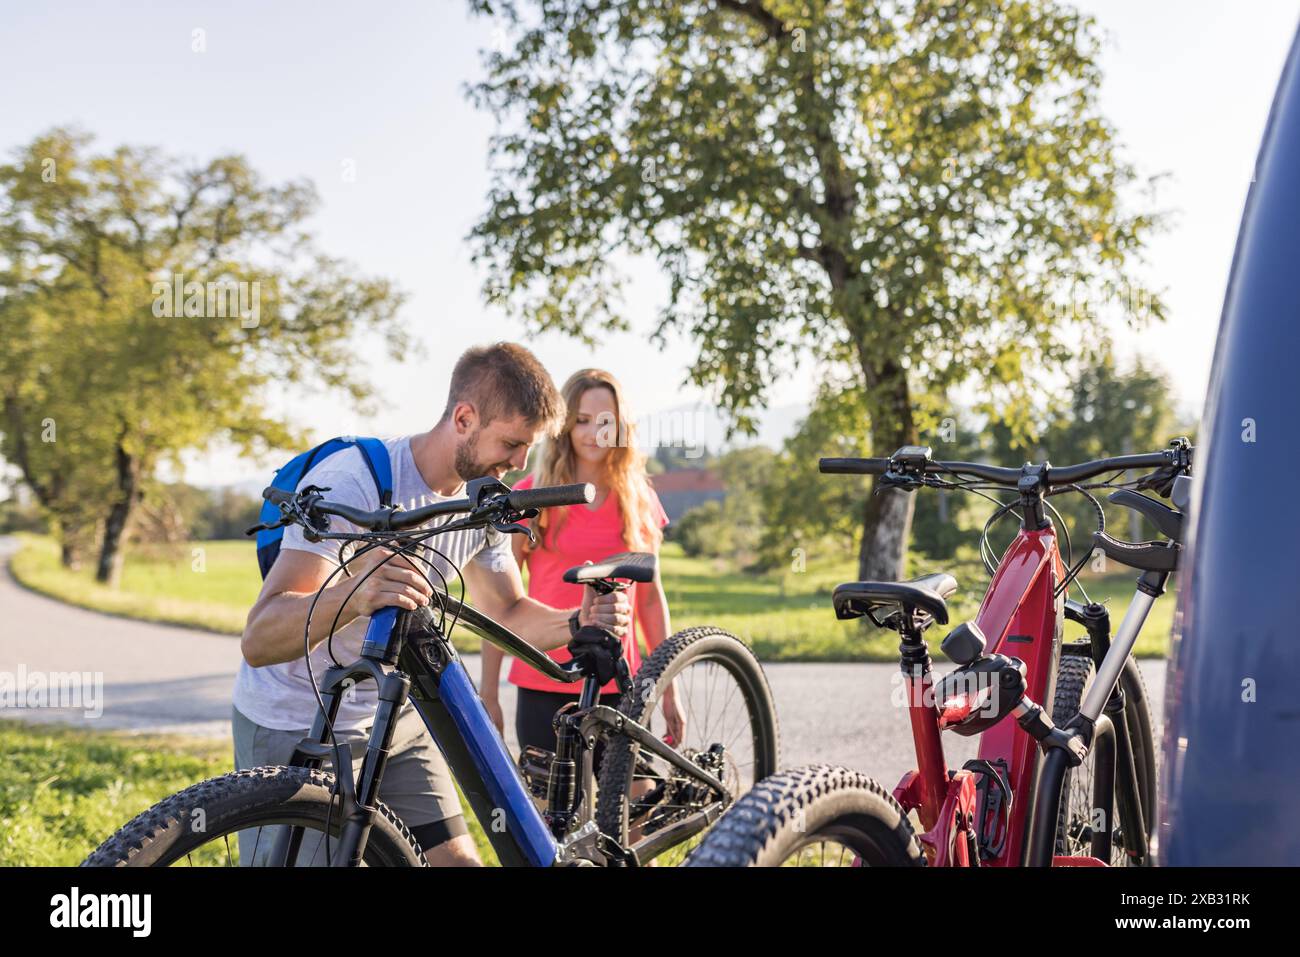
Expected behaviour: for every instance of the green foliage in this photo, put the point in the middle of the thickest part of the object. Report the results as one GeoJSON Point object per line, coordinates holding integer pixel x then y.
{"type": "Point", "coordinates": [666, 458]}
{"type": "Point", "coordinates": [903, 189]}
{"type": "Point", "coordinates": [64, 790]}
{"type": "Point", "coordinates": [1109, 410]}
{"type": "Point", "coordinates": [1112, 411]}
{"type": "Point", "coordinates": [20, 516]}
{"type": "Point", "coordinates": [802, 510]}
{"type": "Point", "coordinates": [226, 513]}
{"type": "Point", "coordinates": [731, 528]}
{"type": "Point", "coordinates": [101, 380]}
{"type": "Point", "coordinates": [697, 530]}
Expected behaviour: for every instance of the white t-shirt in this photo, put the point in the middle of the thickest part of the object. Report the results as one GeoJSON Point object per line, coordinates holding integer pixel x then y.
{"type": "Point", "coordinates": [280, 696]}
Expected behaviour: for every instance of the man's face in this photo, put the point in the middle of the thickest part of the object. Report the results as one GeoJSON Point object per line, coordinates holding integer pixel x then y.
{"type": "Point", "coordinates": [496, 448]}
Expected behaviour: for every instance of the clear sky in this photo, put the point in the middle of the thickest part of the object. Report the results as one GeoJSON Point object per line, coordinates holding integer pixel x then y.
{"type": "Point", "coordinates": [303, 88]}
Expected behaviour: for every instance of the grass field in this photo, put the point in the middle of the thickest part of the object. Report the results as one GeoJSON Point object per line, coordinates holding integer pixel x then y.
{"type": "Point", "coordinates": [786, 617]}
{"type": "Point", "coordinates": [64, 790]}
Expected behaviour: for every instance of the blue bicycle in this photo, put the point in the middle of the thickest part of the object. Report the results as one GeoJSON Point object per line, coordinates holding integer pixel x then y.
{"type": "Point", "coordinates": [650, 798]}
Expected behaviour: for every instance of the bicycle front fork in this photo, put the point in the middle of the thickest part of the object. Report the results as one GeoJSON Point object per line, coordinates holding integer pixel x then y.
{"type": "Point", "coordinates": [357, 797]}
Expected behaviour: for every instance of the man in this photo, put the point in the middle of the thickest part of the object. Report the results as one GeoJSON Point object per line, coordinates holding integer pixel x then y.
{"type": "Point", "coordinates": [501, 402]}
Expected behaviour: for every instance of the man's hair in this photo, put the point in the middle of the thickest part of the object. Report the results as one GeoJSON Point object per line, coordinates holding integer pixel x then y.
{"type": "Point", "coordinates": [505, 380]}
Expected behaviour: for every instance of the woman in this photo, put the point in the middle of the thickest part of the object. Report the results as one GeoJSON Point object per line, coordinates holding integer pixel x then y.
{"type": "Point", "coordinates": [596, 445]}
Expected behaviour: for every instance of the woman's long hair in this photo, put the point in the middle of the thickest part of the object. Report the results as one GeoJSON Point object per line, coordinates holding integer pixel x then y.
{"type": "Point", "coordinates": [624, 466]}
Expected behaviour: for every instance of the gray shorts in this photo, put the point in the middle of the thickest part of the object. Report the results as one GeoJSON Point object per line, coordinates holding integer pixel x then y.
{"type": "Point", "coordinates": [417, 784]}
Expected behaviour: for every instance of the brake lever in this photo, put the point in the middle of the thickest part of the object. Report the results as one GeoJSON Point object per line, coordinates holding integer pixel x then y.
{"type": "Point", "coordinates": [900, 480]}
{"type": "Point", "coordinates": [509, 520]}
{"type": "Point", "coordinates": [263, 527]}
{"type": "Point", "coordinates": [314, 526]}
{"type": "Point", "coordinates": [514, 528]}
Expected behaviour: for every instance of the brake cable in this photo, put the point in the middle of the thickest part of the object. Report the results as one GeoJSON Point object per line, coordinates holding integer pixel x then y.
{"type": "Point", "coordinates": [1072, 574]}
{"type": "Point", "coordinates": [986, 552]}
{"type": "Point", "coordinates": [374, 540]}
{"type": "Point", "coordinates": [405, 552]}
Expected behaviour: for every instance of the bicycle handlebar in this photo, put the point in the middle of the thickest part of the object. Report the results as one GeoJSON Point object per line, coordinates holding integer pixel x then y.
{"type": "Point", "coordinates": [852, 466]}
{"type": "Point", "coordinates": [395, 519]}
{"type": "Point", "coordinates": [1064, 475]}
{"type": "Point", "coordinates": [554, 496]}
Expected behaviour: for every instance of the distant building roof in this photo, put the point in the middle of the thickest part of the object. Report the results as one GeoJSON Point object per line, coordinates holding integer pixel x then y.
{"type": "Point", "coordinates": [687, 480]}
{"type": "Point", "coordinates": [681, 490]}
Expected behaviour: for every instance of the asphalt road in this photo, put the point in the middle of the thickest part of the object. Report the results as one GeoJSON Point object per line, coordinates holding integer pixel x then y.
{"type": "Point", "coordinates": [161, 678]}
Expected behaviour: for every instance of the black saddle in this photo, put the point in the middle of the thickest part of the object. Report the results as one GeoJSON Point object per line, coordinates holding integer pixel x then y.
{"type": "Point", "coordinates": [629, 566]}
{"type": "Point", "coordinates": [927, 594]}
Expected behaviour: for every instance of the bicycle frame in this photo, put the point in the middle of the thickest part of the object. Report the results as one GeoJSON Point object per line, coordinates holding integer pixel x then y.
{"type": "Point", "coordinates": [448, 703]}
{"type": "Point", "coordinates": [1022, 617]}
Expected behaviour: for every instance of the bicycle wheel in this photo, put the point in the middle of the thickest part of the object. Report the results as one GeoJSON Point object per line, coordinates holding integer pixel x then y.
{"type": "Point", "coordinates": [1074, 826]}
{"type": "Point", "coordinates": [731, 729]}
{"type": "Point", "coordinates": [200, 826]}
{"type": "Point", "coordinates": [819, 816]}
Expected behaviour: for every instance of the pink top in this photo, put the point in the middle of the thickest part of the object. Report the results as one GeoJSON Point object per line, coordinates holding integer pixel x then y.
{"type": "Point", "coordinates": [587, 534]}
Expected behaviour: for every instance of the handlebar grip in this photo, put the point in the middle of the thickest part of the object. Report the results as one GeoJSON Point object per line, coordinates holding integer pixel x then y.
{"type": "Point", "coordinates": [552, 496]}
{"type": "Point", "coordinates": [277, 496]}
{"type": "Point", "coordinates": [852, 466]}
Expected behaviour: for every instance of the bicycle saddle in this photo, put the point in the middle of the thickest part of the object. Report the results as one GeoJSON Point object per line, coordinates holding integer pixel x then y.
{"type": "Point", "coordinates": [928, 593]}
{"type": "Point", "coordinates": [632, 566]}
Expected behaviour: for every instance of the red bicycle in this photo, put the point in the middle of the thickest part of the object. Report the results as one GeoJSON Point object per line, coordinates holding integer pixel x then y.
{"type": "Point", "coordinates": [1072, 788]}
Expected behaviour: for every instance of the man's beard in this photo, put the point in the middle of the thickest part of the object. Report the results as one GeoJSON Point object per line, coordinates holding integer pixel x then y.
{"type": "Point", "coordinates": [468, 467]}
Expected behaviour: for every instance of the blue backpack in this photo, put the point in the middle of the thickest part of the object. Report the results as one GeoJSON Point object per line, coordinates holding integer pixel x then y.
{"type": "Point", "coordinates": [376, 457]}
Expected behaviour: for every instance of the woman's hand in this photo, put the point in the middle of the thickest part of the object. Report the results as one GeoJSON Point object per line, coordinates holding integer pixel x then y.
{"type": "Point", "coordinates": [673, 717]}
{"type": "Point", "coordinates": [493, 705]}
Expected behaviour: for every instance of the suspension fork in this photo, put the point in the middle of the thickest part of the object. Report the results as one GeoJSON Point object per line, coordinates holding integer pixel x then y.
{"type": "Point", "coordinates": [1127, 796]}
{"type": "Point", "coordinates": [357, 796]}
{"type": "Point", "coordinates": [1109, 669]}
{"type": "Point", "coordinates": [1150, 586]}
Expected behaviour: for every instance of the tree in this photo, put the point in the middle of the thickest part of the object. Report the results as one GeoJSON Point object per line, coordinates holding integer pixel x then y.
{"type": "Point", "coordinates": [147, 306]}
{"type": "Point", "coordinates": [899, 190]}
{"type": "Point", "coordinates": [1112, 410]}
{"type": "Point", "coordinates": [804, 511]}
{"type": "Point", "coordinates": [226, 514]}
{"type": "Point", "coordinates": [730, 528]}
{"type": "Point", "coordinates": [1109, 409]}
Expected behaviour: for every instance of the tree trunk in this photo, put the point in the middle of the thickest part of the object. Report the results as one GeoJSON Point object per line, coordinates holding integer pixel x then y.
{"type": "Point", "coordinates": [109, 569]}
{"type": "Point", "coordinates": [887, 518]}
{"type": "Point", "coordinates": [69, 555]}
{"type": "Point", "coordinates": [886, 527]}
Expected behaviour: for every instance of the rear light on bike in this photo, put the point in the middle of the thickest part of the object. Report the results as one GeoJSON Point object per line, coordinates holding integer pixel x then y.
{"type": "Point", "coordinates": [962, 707]}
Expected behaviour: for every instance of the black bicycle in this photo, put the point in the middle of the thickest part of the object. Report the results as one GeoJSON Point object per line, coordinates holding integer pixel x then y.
{"type": "Point", "coordinates": [650, 798]}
